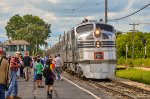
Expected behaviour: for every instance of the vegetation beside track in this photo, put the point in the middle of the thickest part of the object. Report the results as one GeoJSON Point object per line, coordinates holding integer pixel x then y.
{"type": "Point", "coordinates": [140, 62]}
{"type": "Point", "coordinates": [134, 74]}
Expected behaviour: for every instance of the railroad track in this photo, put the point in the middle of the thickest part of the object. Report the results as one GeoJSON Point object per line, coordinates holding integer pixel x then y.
{"type": "Point", "coordinates": [125, 91]}
{"type": "Point", "coordinates": [118, 89]}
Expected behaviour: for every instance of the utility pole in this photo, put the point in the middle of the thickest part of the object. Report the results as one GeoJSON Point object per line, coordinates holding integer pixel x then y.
{"type": "Point", "coordinates": [126, 54]}
{"type": "Point", "coordinates": [133, 34]}
{"type": "Point", "coordinates": [106, 9]}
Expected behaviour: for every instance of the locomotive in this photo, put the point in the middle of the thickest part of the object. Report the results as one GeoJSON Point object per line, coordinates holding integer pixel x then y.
{"type": "Point", "coordinates": [88, 50]}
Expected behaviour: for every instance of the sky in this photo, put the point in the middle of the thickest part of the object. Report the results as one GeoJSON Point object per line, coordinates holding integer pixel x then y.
{"type": "Point", "coordinates": [65, 14]}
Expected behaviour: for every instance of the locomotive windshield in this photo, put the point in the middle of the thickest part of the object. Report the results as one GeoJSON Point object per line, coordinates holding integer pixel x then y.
{"type": "Point", "coordinates": [104, 27]}
{"type": "Point", "coordinates": [84, 28]}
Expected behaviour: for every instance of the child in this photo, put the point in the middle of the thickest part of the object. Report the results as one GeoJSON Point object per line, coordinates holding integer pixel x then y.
{"type": "Point", "coordinates": [49, 79]}
{"type": "Point", "coordinates": [39, 68]}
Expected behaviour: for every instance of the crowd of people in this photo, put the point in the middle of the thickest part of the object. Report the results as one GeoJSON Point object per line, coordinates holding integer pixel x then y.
{"type": "Point", "coordinates": [14, 67]}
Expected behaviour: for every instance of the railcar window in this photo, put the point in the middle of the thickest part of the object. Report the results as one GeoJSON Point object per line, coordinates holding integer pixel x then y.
{"type": "Point", "coordinates": [104, 27]}
{"type": "Point", "coordinates": [85, 28]}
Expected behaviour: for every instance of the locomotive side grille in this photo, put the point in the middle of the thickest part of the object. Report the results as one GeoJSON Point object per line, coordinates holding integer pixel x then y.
{"type": "Point", "coordinates": [91, 44]}
{"type": "Point", "coordinates": [86, 44]}
{"type": "Point", "coordinates": [108, 44]}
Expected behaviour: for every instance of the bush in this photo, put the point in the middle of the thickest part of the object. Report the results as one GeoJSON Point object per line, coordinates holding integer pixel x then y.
{"type": "Point", "coordinates": [121, 61]}
{"type": "Point", "coordinates": [130, 63]}
{"type": "Point", "coordinates": [136, 62]}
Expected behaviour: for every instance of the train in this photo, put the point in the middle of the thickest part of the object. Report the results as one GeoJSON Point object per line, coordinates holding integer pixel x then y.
{"type": "Point", "coordinates": [88, 50]}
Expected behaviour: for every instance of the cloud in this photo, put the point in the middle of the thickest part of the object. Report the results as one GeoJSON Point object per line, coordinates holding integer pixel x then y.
{"type": "Point", "coordinates": [66, 14]}
{"type": "Point", "coordinates": [49, 17]}
{"type": "Point", "coordinates": [53, 1]}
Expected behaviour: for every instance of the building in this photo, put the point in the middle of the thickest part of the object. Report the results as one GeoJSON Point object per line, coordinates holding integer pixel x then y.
{"type": "Point", "coordinates": [12, 46]}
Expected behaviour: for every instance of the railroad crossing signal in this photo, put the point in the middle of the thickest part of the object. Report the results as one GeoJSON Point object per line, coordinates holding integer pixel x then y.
{"type": "Point", "coordinates": [144, 41]}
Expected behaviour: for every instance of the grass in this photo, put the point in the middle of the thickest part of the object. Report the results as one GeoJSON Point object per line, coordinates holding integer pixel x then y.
{"type": "Point", "coordinates": [137, 75]}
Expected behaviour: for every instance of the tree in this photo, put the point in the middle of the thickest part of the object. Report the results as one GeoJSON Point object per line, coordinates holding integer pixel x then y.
{"type": "Point", "coordinates": [30, 28]}
{"type": "Point", "coordinates": [126, 39]}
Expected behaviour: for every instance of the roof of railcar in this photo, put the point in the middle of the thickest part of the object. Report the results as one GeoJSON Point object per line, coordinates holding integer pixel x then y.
{"type": "Point", "coordinates": [92, 22]}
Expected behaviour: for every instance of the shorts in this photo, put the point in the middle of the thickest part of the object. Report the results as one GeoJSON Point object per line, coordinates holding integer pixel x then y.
{"type": "Point", "coordinates": [58, 70]}
{"type": "Point", "coordinates": [27, 69]}
{"type": "Point", "coordinates": [39, 76]}
{"type": "Point", "coordinates": [49, 81]}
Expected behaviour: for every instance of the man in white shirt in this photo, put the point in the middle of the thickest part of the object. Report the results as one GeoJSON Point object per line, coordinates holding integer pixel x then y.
{"type": "Point", "coordinates": [58, 67]}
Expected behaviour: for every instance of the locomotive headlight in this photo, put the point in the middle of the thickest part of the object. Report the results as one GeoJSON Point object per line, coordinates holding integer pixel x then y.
{"type": "Point", "coordinates": [97, 33]}
{"type": "Point", "coordinates": [98, 44]}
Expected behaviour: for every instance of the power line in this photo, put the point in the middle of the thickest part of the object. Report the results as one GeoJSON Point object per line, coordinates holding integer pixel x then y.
{"type": "Point", "coordinates": [131, 13]}
{"type": "Point", "coordinates": [144, 23]}
{"type": "Point", "coordinates": [79, 7]}
{"type": "Point", "coordinates": [96, 4]}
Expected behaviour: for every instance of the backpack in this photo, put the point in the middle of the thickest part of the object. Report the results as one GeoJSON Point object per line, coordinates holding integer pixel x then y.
{"type": "Point", "coordinates": [47, 72]}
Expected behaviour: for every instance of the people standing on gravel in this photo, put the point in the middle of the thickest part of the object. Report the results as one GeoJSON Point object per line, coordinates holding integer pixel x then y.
{"type": "Point", "coordinates": [49, 76]}
{"type": "Point", "coordinates": [58, 67]}
{"type": "Point", "coordinates": [4, 71]}
{"type": "Point", "coordinates": [27, 64]}
{"type": "Point", "coordinates": [13, 88]}
{"type": "Point", "coordinates": [39, 69]}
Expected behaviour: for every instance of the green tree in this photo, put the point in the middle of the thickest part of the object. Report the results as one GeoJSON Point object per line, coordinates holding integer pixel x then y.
{"type": "Point", "coordinates": [126, 39]}
{"type": "Point", "coordinates": [30, 28]}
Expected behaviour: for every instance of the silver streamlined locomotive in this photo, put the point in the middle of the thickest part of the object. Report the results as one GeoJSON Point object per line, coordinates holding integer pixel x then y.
{"type": "Point", "coordinates": [88, 50]}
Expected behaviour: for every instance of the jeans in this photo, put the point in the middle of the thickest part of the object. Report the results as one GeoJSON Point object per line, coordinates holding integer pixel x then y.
{"type": "Point", "coordinates": [2, 91]}
{"type": "Point", "coordinates": [13, 88]}
{"type": "Point", "coordinates": [35, 75]}
{"type": "Point", "coordinates": [58, 75]}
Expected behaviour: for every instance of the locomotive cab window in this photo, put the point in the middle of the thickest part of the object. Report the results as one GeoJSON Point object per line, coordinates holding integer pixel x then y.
{"type": "Point", "coordinates": [104, 27]}
{"type": "Point", "coordinates": [85, 28]}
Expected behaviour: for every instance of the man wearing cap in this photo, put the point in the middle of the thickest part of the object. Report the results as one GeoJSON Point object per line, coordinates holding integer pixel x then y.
{"type": "Point", "coordinates": [4, 69]}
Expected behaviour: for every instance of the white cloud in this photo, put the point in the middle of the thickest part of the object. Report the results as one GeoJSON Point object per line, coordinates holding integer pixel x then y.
{"type": "Point", "coordinates": [4, 8]}
{"type": "Point", "coordinates": [49, 17]}
{"type": "Point", "coordinates": [53, 1]}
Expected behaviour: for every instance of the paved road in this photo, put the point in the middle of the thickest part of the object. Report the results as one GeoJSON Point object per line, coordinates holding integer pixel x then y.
{"type": "Point", "coordinates": [65, 89]}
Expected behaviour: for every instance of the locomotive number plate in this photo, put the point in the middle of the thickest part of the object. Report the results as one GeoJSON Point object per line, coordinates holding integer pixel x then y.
{"type": "Point", "coordinates": [98, 55]}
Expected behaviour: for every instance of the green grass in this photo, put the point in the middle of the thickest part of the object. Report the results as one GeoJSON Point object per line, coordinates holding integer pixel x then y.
{"type": "Point", "coordinates": [135, 75]}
